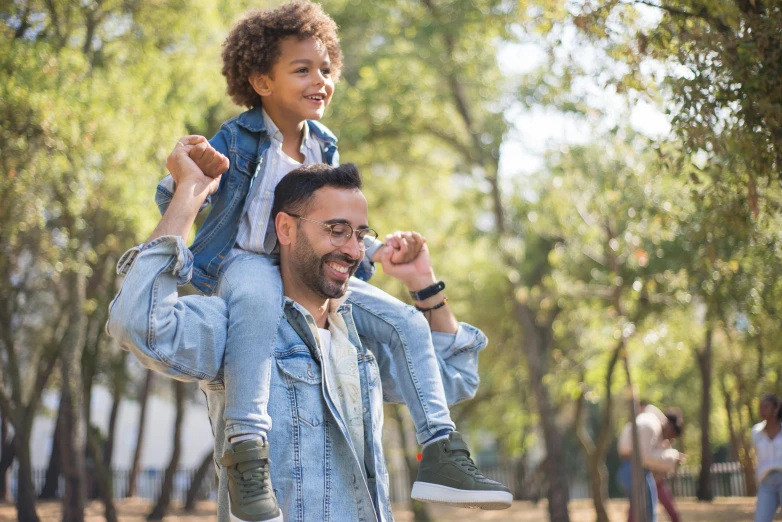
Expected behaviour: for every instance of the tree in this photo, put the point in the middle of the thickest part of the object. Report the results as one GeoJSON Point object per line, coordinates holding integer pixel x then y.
{"type": "Point", "coordinates": [142, 421]}
{"type": "Point", "coordinates": [207, 465]}
{"type": "Point", "coordinates": [167, 489]}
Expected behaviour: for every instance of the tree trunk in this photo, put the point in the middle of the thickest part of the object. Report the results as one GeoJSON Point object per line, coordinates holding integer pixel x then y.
{"type": "Point", "coordinates": [73, 433]}
{"type": "Point", "coordinates": [595, 452]}
{"type": "Point", "coordinates": [734, 440]}
{"type": "Point", "coordinates": [704, 492]}
{"type": "Point", "coordinates": [108, 450]}
{"type": "Point", "coordinates": [420, 511]}
{"type": "Point", "coordinates": [142, 420]}
{"type": "Point", "coordinates": [198, 479]}
{"type": "Point", "coordinates": [535, 345]}
{"type": "Point", "coordinates": [25, 494]}
{"type": "Point", "coordinates": [640, 501]}
{"type": "Point", "coordinates": [598, 479]}
{"type": "Point", "coordinates": [52, 482]}
{"type": "Point", "coordinates": [167, 490]}
{"type": "Point", "coordinates": [103, 479]}
{"type": "Point", "coordinates": [120, 385]}
{"type": "Point", "coordinates": [7, 455]}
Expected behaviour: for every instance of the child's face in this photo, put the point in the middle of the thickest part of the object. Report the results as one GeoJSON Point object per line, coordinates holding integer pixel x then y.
{"type": "Point", "coordinates": [300, 85]}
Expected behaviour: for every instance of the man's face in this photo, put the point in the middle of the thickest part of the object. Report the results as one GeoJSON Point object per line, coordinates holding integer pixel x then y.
{"type": "Point", "coordinates": [300, 84]}
{"type": "Point", "coordinates": [322, 267]}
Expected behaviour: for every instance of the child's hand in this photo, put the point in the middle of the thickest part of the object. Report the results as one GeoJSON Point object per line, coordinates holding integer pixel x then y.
{"type": "Point", "coordinates": [211, 162]}
{"type": "Point", "coordinates": [187, 174]}
{"type": "Point", "coordinates": [415, 275]}
{"type": "Point", "coordinates": [405, 246]}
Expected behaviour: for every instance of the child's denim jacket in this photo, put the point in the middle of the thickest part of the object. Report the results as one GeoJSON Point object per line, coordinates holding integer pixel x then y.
{"type": "Point", "coordinates": [244, 141]}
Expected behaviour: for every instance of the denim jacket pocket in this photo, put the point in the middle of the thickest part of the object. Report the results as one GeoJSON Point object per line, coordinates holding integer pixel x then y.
{"type": "Point", "coordinates": [302, 374]}
{"type": "Point", "coordinates": [373, 372]}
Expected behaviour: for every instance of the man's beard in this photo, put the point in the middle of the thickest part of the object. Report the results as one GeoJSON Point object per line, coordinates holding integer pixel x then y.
{"type": "Point", "coordinates": [310, 269]}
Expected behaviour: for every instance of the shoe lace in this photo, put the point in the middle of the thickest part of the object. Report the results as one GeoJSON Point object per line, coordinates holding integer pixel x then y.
{"type": "Point", "coordinates": [462, 458]}
{"type": "Point", "coordinates": [252, 482]}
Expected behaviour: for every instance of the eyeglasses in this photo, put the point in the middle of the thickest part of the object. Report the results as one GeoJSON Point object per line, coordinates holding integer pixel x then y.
{"type": "Point", "coordinates": [340, 233]}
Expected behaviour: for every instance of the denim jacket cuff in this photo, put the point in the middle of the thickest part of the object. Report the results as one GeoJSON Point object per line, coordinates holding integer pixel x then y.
{"type": "Point", "coordinates": [466, 339]}
{"type": "Point", "coordinates": [372, 247]}
{"type": "Point", "coordinates": [181, 265]}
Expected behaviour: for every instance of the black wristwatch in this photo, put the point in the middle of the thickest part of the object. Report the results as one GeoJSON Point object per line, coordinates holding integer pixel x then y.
{"type": "Point", "coordinates": [428, 292]}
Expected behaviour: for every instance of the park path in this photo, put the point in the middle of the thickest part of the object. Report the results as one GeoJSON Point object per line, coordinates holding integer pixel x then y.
{"type": "Point", "coordinates": [722, 510]}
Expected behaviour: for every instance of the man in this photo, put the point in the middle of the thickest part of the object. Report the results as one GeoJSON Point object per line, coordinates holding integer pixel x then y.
{"type": "Point", "coordinates": [325, 394]}
{"type": "Point", "coordinates": [656, 431]}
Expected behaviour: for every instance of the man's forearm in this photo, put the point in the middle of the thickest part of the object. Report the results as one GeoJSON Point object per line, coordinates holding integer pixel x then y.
{"type": "Point", "coordinates": [441, 319]}
{"type": "Point", "coordinates": [180, 215]}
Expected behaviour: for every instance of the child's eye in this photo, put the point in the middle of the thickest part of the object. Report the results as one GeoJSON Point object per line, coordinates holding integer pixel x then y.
{"type": "Point", "coordinates": [326, 72]}
{"type": "Point", "coordinates": [302, 70]}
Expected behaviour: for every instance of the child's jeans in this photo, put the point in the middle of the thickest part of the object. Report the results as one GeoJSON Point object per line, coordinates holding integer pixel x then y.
{"type": "Point", "coordinates": [251, 286]}
{"type": "Point", "coordinates": [769, 497]}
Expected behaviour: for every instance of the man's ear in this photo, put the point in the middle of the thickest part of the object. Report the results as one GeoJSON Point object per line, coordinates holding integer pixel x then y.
{"type": "Point", "coordinates": [260, 83]}
{"type": "Point", "coordinates": [285, 226]}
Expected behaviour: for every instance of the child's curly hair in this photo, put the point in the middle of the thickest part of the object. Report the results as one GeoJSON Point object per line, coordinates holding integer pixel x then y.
{"type": "Point", "coordinates": [253, 45]}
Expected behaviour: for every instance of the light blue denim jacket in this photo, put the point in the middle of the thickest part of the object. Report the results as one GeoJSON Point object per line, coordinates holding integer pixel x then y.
{"type": "Point", "coordinates": [315, 471]}
{"type": "Point", "coordinates": [243, 140]}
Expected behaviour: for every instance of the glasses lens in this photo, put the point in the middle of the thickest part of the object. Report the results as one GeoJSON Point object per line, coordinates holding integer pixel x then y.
{"type": "Point", "coordinates": [363, 234]}
{"type": "Point", "coordinates": [340, 233]}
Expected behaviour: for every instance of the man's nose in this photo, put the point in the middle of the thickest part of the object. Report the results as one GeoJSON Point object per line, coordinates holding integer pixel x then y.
{"type": "Point", "coordinates": [351, 248]}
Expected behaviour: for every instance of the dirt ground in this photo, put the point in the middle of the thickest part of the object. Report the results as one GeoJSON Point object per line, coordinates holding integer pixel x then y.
{"type": "Point", "coordinates": [722, 510]}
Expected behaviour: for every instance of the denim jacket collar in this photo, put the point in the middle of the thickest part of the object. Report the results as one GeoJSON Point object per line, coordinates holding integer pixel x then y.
{"type": "Point", "coordinates": [252, 120]}
{"type": "Point", "coordinates": [298, 317]}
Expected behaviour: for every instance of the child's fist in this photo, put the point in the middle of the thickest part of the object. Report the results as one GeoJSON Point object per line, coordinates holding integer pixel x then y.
{"type": "Point", "coordinates": [405, 245]}
{"type": "Point", "coordinates": [208, 159]}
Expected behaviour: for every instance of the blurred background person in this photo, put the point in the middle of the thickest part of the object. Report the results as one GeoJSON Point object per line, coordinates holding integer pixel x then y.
{"type": "Point", "coordinates": [656, 430]}
{"type": "Point", "coordinates": [768, 449]}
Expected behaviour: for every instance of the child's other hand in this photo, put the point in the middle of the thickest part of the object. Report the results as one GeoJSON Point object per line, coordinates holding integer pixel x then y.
{"type": "Point", "coordinates": [415, 275]}
{"type": "Point", "coordinates": [405, 246]}
{"type": "Point", "coordinates": [186, 173]}
{"type": "Point", "coordinates": [209, 160]}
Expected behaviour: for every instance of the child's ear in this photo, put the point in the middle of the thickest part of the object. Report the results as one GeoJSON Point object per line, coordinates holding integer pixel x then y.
{"type": "Point", "coordinates": [260, 83]}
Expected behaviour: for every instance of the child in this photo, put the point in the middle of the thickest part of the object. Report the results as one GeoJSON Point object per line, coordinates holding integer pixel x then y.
{"type": "Point", "coordinates": [283, 64]}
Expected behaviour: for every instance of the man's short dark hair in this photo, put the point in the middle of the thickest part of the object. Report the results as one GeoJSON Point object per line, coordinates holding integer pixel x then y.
{"type": "Point", "coordinates": [294, 193]}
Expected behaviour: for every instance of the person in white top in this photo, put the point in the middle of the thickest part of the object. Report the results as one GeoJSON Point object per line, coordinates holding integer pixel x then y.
{"type": "Point", "coordinates": [767, 438]}
{"type": "Point", "coordinates": [656, 430]}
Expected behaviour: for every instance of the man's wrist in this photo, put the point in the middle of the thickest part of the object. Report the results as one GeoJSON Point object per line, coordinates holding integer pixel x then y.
{"type": "Point", "coordinates": [420, 281]}
{"type": "Point", "coordinates": [189, 196]}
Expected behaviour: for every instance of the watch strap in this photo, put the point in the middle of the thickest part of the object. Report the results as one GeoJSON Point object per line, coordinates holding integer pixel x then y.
{"type": "Point", "coordinates": [429, 291]}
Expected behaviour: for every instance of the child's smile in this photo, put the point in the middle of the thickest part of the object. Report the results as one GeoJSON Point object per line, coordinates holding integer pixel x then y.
{"type": "Point", "coordinates": [300, 85]}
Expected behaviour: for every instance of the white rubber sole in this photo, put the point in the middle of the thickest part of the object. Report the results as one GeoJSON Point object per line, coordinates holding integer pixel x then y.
{"type": "Point", "coordinates": [237, 519]}
{"type": "Point", "coordinates": [275, 519]}
{"type": "Point", "coordinates": [426, 492]}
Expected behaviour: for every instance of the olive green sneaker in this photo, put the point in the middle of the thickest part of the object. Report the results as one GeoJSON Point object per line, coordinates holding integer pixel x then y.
{"type": "Point", "coordinates": [447, 475]}
{"type": "Point", "coordinates": [249, 482]}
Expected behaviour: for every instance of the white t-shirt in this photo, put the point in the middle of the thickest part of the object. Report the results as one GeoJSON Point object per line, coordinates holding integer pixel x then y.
{"type": "Point", "coordinates": [342, 377]}
{"type": "Point", "coordinates": [325, 341]}
{"type": "Point", "coordinates": [768, 451]}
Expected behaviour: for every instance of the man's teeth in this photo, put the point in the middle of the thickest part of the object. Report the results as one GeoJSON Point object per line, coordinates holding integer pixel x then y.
{"type": "Point", "coordinates": [338, 268]}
